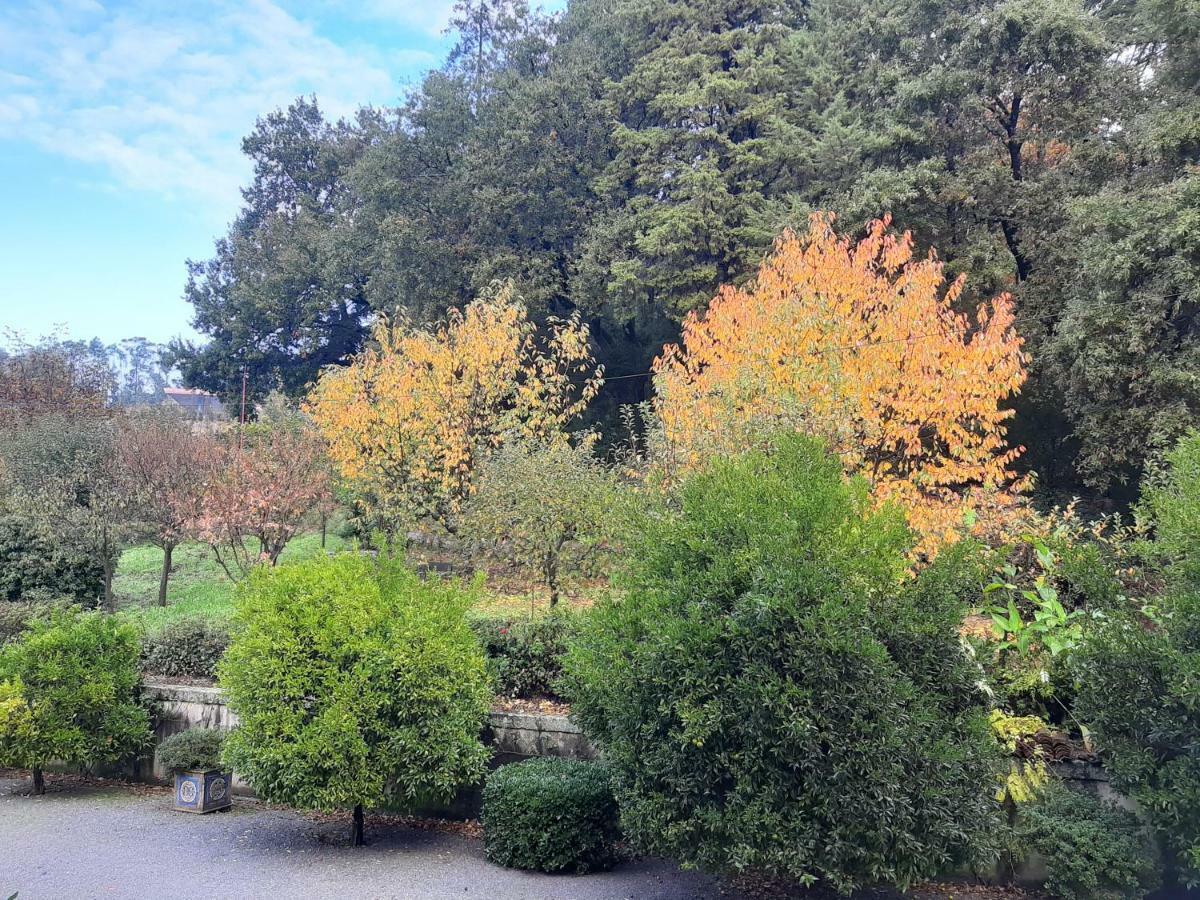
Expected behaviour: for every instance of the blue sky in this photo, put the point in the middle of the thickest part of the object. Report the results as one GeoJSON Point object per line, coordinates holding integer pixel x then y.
{"type": "Point", "coordinates": [120, 127]}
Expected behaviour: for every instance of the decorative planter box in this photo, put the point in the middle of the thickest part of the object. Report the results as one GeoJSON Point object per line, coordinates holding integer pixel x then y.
{"type": "Point", "coordinates": [203, 792]}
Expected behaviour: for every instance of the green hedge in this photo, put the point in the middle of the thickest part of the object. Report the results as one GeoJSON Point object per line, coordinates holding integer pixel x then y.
{"type": "Point", "coordinates": [550, 815]}
{"type": "Point", "coordinates": [525, 655]}
{"type": "Point", "coordinates": [33, 566]}
{"type": "Point", "coordinates": [1092, 850]}
{"type": "Point", "coordinates": [188, 648]}
{"type": "Point", "coordinates": [17, 616]}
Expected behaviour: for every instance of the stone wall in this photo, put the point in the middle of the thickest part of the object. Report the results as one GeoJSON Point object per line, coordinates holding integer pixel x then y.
{"type": "Point", "coordinates": [513, 736]}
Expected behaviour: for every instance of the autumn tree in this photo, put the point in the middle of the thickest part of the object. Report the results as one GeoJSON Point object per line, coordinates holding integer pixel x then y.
{"type": "Point", "coordinates": [165, 466]}
{"type": "Point", "coordinates": [860, 344]}
{"type": "Point", "coordinates": [50, 378]}
{"type": "Point", "coordinates": [407, 420]}
{"type": "Point", "coordinates": [260, 488]}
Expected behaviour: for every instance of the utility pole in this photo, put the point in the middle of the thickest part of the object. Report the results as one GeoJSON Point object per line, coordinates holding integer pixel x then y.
{"type": "Point", "coordinates": [242, 418]}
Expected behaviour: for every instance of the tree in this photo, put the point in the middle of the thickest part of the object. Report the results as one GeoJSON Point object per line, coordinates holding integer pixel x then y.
{"type": "Point", "coordinates": [260, 486]}
{"type": "Point", "coordinates": [36, 379]}
{"type": "Point", "coordinates": [280, 297]}
{"type": "Point", "coordinates": [407, 420]}
{"type": "Point", "coordinates": [704, 151]}
{"type": "Point", "coordinates": [166, 466]}
{"type": "Point", "coordinates": [547, 507]}
{"type": "Point", "coordinates": [860, 344]}
{"type": "Point", "coordinates": [772, 693]}
{"type": "Point", "coordinates": [1046, 147]}
{"type": "Point", "coordinates": [68, 692]}
{"type": "Point", "coordinates": [65, 475]}
{"type": "Point", "coordinates": [355, 682]}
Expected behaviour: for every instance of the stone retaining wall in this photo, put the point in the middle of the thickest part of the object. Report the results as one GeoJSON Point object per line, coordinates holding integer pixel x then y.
{"type": "Point", "coordinates": [513, 736]}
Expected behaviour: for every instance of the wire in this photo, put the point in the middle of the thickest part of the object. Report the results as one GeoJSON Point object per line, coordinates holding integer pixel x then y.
{"type": "Point", "coordinates": [912, 339]}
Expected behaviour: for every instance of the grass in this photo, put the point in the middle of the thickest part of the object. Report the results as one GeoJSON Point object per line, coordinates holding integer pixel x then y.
{"type": "Point", "coordinates": [198, 586]}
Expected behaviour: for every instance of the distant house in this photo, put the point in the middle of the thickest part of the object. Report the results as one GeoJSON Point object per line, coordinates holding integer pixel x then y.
{"type": "Point", "coordinates": [199, 406]}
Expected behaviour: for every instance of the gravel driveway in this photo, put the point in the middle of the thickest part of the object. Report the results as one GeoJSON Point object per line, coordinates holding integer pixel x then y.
{"type": "Point", "coordinates": [81, 841]}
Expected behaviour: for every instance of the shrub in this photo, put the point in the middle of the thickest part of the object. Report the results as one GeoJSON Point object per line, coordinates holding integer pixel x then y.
{"type": "Point", "coordinates": [68, 691]}
{"type": "Point", "coordinates": [551, 815]}
{"type": "Point", "coordinates": [1092, 850]}
{"type": "Point", "coordinates": [773, 693]}
{"type": "Point", "coordinates": [356, 682]}
{"type": "Point", "coordinates": [193, 750]}
{"type": "Point", "coordinates": [525, 655]}
{"type": "Point", "coordinates": [32, 563]}
{"type": "Point", "coordinates": [1171, 502]}
{"type": "Point", "coordinates": [1137, 692]}
{"type": "Point", "coordinates": [188, 648]}
{"type": "Point", "coordinates": [17, 616]}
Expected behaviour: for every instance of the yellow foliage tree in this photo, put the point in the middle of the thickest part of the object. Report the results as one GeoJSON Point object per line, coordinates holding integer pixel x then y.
{"type": "Point", "coordinates": [407, 420]}
{"type": "Point", "coordinates": [859, 343]}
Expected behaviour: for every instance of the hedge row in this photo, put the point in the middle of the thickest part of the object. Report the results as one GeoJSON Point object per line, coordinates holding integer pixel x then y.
{"type": "Point", "coordinates": [524, 656]}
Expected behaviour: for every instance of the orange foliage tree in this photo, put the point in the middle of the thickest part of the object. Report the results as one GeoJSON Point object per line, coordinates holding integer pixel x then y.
{"type": "Point", "coordinates": [407, 420]}
{"type": "Point", "coordinates": [861, 344]}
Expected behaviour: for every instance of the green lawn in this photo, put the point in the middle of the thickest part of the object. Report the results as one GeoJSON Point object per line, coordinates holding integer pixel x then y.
{"type": "Point", "coordinates": [198, 586]}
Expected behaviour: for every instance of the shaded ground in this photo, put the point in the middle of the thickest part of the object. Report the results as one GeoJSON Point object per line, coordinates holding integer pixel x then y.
{"type": "Point", "coordinates": [86, 838]}
{"type": "Point", "coordinates": [86, 841]}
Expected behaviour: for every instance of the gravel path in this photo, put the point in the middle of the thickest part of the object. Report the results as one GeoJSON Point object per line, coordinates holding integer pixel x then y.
{"type": "Point", "coordinates": [82, 841]}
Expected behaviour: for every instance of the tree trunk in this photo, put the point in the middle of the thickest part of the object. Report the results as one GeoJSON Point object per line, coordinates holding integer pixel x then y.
{"type": "Point", "coordinates": [324, 527]}
{"type": "Point", "coordinates": [110, 602]}
{"type": "Point", "coordinates": [39, 782]}
{"type": "Point", "coordinates": [357, 833]}
{"type": "Point", "coordinates": [550, 573]}
{"type": "Point", "coordinates": [168, 549]}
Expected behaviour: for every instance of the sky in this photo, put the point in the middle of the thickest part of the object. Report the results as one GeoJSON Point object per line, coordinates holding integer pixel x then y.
{"type": "Point", "coordinates": [120, 132]}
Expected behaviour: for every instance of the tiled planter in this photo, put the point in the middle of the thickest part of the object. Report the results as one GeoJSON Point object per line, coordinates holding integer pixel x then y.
{"type": "Point", "coordinates": [203, 792]}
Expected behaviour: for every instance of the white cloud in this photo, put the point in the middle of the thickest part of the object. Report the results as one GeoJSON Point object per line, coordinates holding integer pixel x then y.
{"type": "Point", "coordinates": [430, 16]}
{"type": "Point", "coordinates": [159, 95]}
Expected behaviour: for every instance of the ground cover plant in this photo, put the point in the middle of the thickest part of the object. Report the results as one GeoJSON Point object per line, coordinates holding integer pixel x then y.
{"type": "Point", "coordinates": [773, 693]}
{"type": "Point", "coordinates": [356, 683]}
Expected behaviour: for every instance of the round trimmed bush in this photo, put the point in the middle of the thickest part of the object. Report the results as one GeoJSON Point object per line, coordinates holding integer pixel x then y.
{"type": "Point", "coordinates": [69, 692]}
{"type": "Point", "coordinates": [356, 683]}
{"type": "Point", "coordinates": [550, 815]}
{"type": "Point", "coordinates": [193, 750]}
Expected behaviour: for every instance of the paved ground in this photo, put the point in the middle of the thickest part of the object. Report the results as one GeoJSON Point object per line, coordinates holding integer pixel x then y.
{"type": "Point", "coordinates": [82, 841]}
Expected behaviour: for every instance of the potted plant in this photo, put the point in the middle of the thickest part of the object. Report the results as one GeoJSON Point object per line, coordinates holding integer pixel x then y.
{"type": "Point", "coordinates": [194, 756]}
